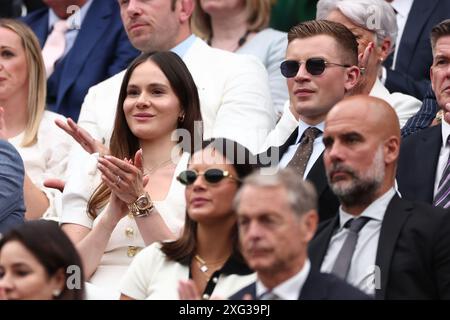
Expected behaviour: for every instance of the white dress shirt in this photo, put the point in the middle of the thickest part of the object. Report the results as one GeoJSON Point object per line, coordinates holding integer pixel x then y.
{"type": "Point", "coordinates": [362, 268]}
{"type": "Point", "coordinates": [289, 289]}
{"type": "Point", "coordinates": [443, 155]}
{"type": "Point", "coordinates": [402, 7]}
{"type": "Point", "coordinates": [318, 147]}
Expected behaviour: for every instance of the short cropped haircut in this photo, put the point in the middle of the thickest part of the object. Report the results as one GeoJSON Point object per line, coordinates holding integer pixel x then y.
{"type": "Point", "coordinates": [301, 194]}
{"type": "Point", "coordinates": [345, 39]}
{"type": "Point", "coordinates": [442, 29]}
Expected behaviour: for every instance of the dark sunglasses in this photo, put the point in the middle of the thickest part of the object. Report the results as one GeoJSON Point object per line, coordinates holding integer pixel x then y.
{"type": "Point", "coordinates": [315, 66]}
{"type": "Point", "coordinates": [188, 177]}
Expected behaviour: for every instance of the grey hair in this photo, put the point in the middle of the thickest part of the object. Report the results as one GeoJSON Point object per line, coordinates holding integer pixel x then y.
{"type": "Point", "coordinates": [374, 15]}
{"type": "Point", "coordinates": [301, 194]}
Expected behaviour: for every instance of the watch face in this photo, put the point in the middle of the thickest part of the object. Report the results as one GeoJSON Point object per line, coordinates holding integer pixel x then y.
{"type": "Point", "coordinates": [142, 203]}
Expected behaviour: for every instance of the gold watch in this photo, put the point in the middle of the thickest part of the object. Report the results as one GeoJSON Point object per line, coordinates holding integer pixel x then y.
{"type": "Point", "coordinates": [142, 207]}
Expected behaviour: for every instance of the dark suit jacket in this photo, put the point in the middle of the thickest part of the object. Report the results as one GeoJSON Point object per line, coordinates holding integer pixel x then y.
{"type": "Point", "coordinates": [12, 207]}
{"type": "Point", "coordinates": [318, 286]}
{"type": "Point", "coordinates": [413, 253]}
{"type": "Point", "coordinates": [100, 50]}
{"type": "Point", "coordinates": [416, 172]}
{"type": "Point", "coordinates": [414, 58]}
{"type": "Point", "coordinates": [328, 202]}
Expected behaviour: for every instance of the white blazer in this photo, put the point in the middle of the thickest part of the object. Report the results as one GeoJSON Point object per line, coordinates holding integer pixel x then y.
{"type": "Point", "coordinates": [404, 105]}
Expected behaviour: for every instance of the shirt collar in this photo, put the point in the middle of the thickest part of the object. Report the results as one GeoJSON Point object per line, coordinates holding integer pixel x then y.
{"type": "Point", "coordinates": [402, 7]}
{"type": "Point", "coordinates": [445, 132]}
{"type": "Point", "coordinates": [53, 18]}
{"type": "Point", "coordinates": [289, 289]}
{"type": "Point", "coordinates": [372, 211]}
{"type": "Point", "coordinates": [303, 126]}
{"type": "Point", "coordinates": [181, 48]}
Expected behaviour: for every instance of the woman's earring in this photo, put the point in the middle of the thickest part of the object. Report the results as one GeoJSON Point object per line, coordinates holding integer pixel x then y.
{"type": "Point", "coordinates": [181, 118]}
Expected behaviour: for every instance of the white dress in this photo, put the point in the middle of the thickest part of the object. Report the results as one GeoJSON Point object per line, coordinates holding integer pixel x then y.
{"type": "Point", "coordinates": [154, 277]}
{"type": "Point", "coordinates": [126, 241]}
{"type": "Point", "coordinates": [47, 158]}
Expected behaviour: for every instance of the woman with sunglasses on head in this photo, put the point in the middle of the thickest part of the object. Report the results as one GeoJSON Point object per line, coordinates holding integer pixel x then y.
{"type": "Point", "coordinates": [207, 252]}
{"type": "Point", "coordinates": [138, 200]}
{"type": "Point", "coordinates": [376, 40]}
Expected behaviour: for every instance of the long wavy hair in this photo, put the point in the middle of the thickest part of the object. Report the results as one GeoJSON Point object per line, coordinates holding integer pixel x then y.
{"type": "Point", "coordinates": [124, 143]}
{"type": "Point", "coordinates": [37, 80]}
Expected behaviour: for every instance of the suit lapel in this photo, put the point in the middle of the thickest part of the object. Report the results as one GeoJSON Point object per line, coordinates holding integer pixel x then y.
{"type": "Point", "coordinates": [417, 18]}
{"type": "Point", "coordinates": [313, 288]}
{"type": "Point", "coordinates": [41, 29]}
{"type": "Point", "coordinates": [289, 142]}
{"type": "Point", "coordinates": [395, 217]}
{"type": "Point", "coordinates": [93, 27]}
{"type": "Point", "coordinates": [266, 158]}
{"type": "Point", "coordinates": [317, 175]}
{"type": "Point", "coordinates": [430, 142]}
{"type": "Point", "coordinates": [319, 245]}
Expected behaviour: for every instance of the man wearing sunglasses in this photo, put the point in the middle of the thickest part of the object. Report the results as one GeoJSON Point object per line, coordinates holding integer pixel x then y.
{"type": "Point", "coordinates": [321, 68]}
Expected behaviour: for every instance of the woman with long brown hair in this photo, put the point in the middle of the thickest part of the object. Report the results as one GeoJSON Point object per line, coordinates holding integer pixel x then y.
{"type": "Point", "coordinates": [138, 200]}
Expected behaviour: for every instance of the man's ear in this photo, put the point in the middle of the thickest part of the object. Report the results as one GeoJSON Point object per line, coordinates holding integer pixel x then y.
{"type": "Point", "coordinates": [186, 9]}
{"type": "Point", "coordinates": [352, 77]}
{"type": "Point", "coordinates": [391, 149]}
{"type": "Point", "coordinates": [309, 220]}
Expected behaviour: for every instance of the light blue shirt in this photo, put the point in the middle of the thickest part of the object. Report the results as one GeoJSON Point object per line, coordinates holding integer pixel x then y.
{"type": "Point", "coordinates": [75, 21]}
{"type": "Point", "coordinates": [183, 47]}
{"type": "Point", "coordinates": [318, 147]}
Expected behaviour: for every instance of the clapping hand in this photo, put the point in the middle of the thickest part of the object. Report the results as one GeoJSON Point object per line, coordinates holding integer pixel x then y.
{"type": "Point", "coordinates": [187, 290]}
{"type": "Point", "coordinates": [86, 141]}
{"type": "Point", "coordinates": [125, 178]}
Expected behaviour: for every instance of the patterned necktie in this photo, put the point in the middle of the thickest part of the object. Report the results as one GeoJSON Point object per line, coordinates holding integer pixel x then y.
{"type": "Point", "coordinates": [304, 151]}
{"type": "Point", "coordinates": [54, 46]}
{"type": "Point", "coordinates": [442, 196]}
{"type": "Point", "coordinates": [341, 266]}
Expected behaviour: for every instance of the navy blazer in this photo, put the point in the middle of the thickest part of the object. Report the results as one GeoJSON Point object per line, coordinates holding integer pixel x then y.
{"type": "Point", "coordinates": [414, 58]}
{"type": "Point", "coordinates": [413, 253]}
{"type": "Point", "coordinates": [12, 207]}
{"type": "Point", "coordinates": [100, 50]}
{"type": "Point", "coordinates": [318, 286]}
{"type": "Point", "coordinates": [327, 200]}
{"type": "Point", "coordinates": [416, 169]}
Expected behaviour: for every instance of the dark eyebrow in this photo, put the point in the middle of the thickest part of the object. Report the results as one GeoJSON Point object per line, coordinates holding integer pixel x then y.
{"type": "Point", "coordinates": [441, 56]}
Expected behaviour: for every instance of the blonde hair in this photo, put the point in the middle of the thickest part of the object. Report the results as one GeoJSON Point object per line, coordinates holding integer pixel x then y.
{"type": "Point", "coordinates": [258, 17]}
{"type": "Point", "coordinates": [37, 81]}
